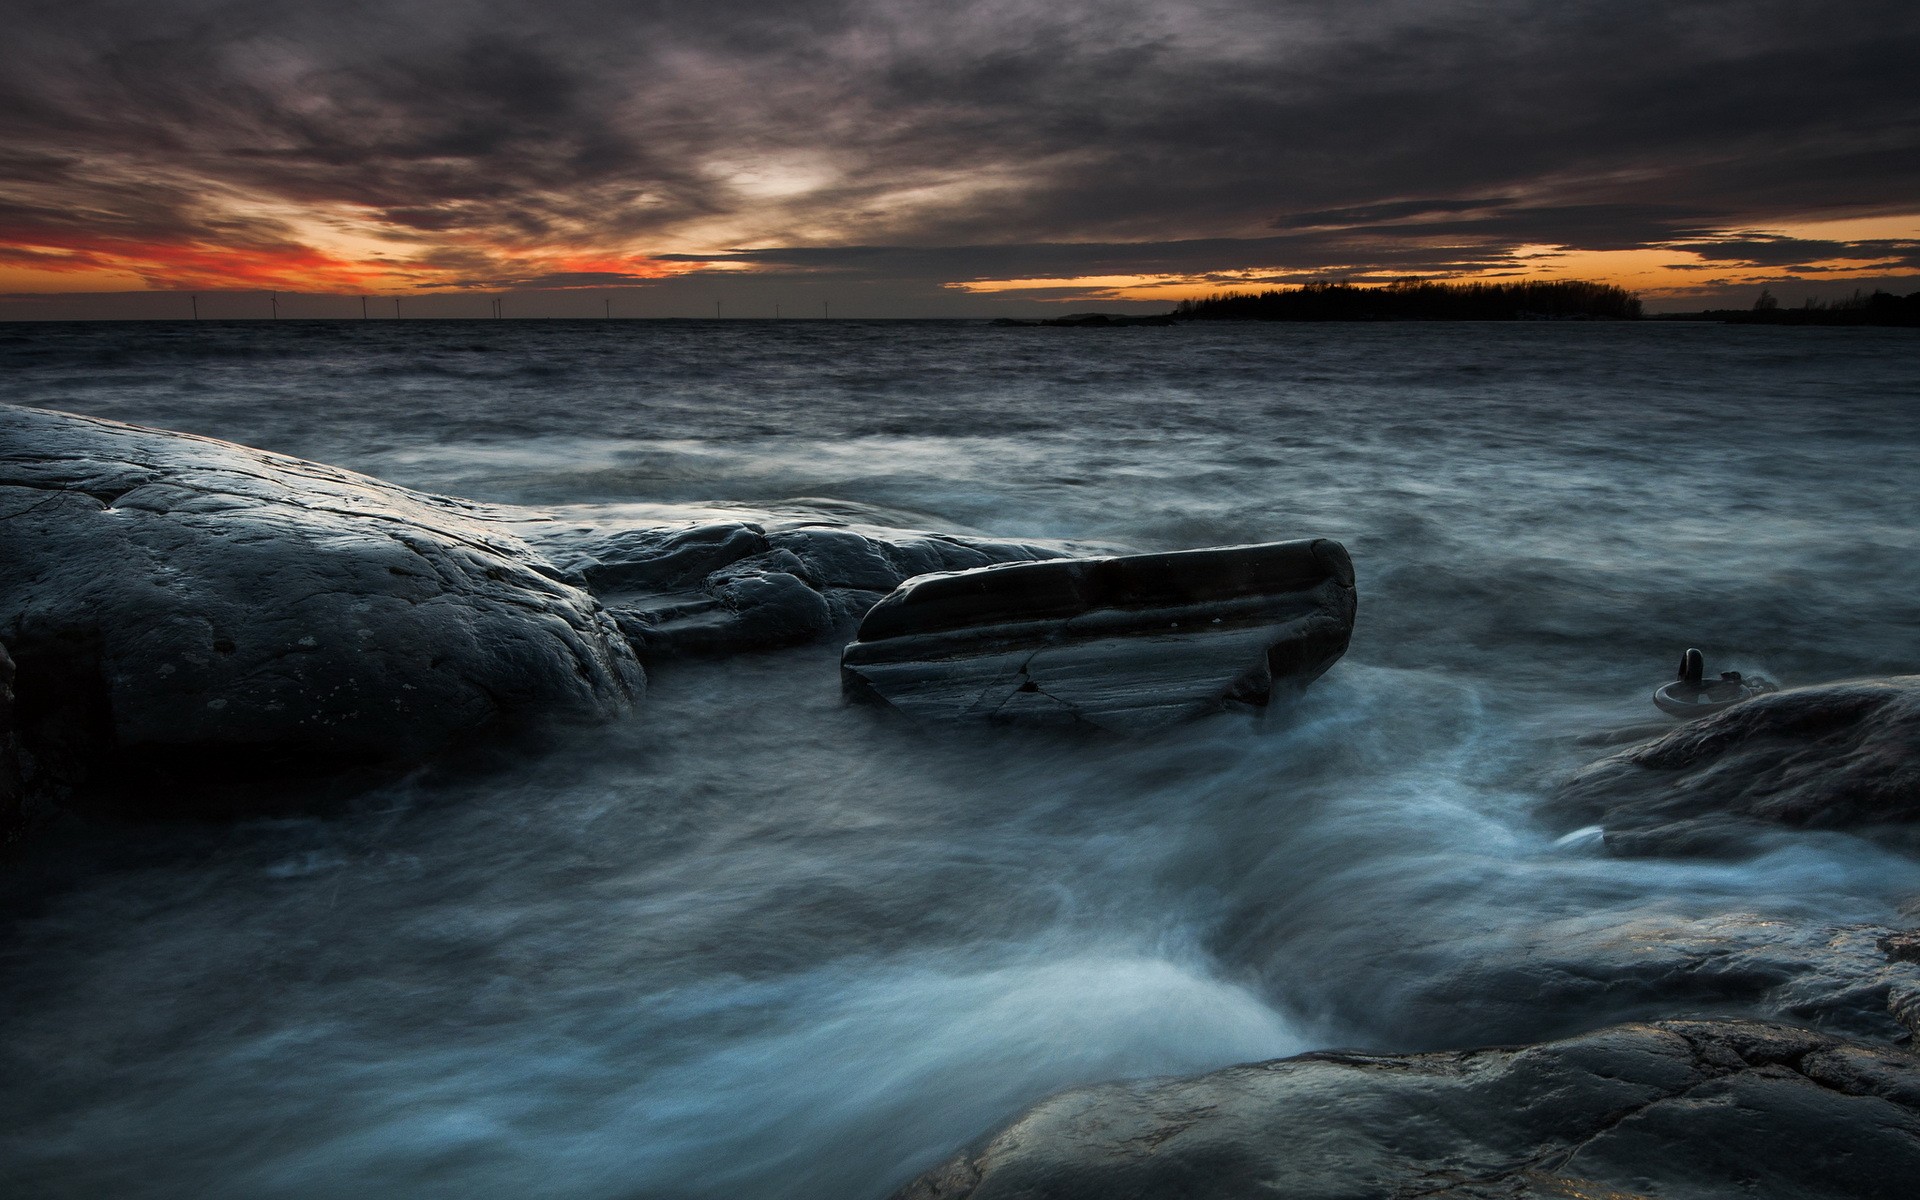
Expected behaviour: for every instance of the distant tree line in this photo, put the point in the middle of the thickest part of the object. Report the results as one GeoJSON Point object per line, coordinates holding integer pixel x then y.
{"type": "Point", "coordinates": [1416, 300]}
{"type": "Point", "coordinates": [1880, 308]}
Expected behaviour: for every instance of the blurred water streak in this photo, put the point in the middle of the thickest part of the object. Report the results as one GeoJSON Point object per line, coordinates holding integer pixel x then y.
{"type": "Point", "coordinates": [756, 944]}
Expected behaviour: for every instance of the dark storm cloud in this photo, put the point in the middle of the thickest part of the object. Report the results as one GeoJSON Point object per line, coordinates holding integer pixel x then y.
{"type": "Point", "coordinates": [1355, 251]}
{"type": "Point", "coordinates": [980, 262]}
{"type": "Point", "coordinates": [1364, 214]}
{"type": "Point", "coordinates": [1786, 252]}
{"type": "Point", "coordinates": [996, 138]}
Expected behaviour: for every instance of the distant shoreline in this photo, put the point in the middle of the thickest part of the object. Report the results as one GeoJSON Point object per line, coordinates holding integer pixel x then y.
{"type": "Point", "coordinates": [1880, 310]}
{"type": "Point", "coordinates": [1562, 300]}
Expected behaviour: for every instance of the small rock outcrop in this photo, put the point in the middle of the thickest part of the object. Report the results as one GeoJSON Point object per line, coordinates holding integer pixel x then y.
{"type": "Point", "coordinates": [1125, 644]}
{"type": "Point", "coordinates": [780, 578]}
{"type": "Point", "coordinates": [1838, 756]}
{"type": "Point", "coordinates": [180, 608]}
{"type": "Point", "coordinates": [1676, 1109]}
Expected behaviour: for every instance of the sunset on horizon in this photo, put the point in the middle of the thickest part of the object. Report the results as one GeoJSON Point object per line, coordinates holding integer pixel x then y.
{"type": "Point", "coordinates": [892, 158]}
{"type": "Point", "coordinates": [959, 599]}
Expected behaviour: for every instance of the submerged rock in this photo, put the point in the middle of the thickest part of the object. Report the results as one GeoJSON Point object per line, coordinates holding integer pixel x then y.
{"type": "Point", "coordinates": [1677, 1109]}
{"type": "Point", "coordinates": [779, 579]}
{"type": "Point", "coordinates": [1838, 756]}
{"type": "Point", "coordinates": [1125, 643]}
{"type": "Point", "coordinates": [183, 609]}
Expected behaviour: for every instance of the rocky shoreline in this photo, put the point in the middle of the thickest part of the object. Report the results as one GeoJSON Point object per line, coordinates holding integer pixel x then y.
{"type": "Point", "coordinates": [1676, 1109]}
{"type": "Point", "coordinates": [184, 621]}
{"type": "Point", "coordinates": [190, 620]}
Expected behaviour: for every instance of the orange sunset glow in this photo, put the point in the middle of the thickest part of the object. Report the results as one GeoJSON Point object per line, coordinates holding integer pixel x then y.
{"type": "Point", "coordinates": [918, 161]}
{"type": "Point", "coordinates": [77, 263]}
{"type": "Point", "coordinates": [959, 599]}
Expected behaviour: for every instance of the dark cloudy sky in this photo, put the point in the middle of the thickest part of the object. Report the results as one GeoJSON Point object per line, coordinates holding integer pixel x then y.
{"type": "Point", "coordinates": [894, 157]}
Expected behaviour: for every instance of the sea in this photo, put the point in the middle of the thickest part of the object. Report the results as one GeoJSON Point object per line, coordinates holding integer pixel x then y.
{"type": "Point", "coordinates": [755, 943]}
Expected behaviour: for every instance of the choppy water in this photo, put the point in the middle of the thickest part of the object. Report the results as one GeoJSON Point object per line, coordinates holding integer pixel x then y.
{"type": "Point", "coordinates": [753, 943]}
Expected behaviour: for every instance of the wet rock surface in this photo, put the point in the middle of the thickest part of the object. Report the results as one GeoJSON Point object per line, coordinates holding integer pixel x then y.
{"type": "Point", "coordinates": [1575, 973]}
{"type": "Point", "coordinates": [185, 611]}
{"type": "Point", "coordinates": [777, 578]}
{"type": "Point", "coordinates": [182, 609]}
{"type": "Point", "coordinates": [1125, 644]}
{"type": "Point", "coordinates": [12, 808]}
{"type": "Point", "coordinates": [1842, 756]}
{"type": "Point", "coordinates": [1677, 1109]}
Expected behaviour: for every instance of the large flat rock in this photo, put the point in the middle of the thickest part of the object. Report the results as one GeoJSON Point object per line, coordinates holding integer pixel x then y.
{"type": "Point", "coordinates": [1675, 1109]}
{"type": "Point", "coordinates": [1842, 756]}
{"type": "Point", "coordinates": [180, 607]}
{"type": "Point", "coordinates": [1123, 643]}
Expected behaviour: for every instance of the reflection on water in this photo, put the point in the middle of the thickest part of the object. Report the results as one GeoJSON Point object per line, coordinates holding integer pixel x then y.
{"type": "Point", "coordinates": [753, 943]}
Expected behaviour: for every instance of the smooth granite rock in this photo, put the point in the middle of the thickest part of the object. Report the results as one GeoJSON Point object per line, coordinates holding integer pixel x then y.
{"type": "Point", "coordinates": [718, 586]}
{"type": "Point", "coordinates": [1125, 644]}
{"type": "Point", "coordinates": [182, 608]}
{"type": "Point", "coordinates": [1839, 756]}
{"type": "Point", "coordinates": [1682, 1110]}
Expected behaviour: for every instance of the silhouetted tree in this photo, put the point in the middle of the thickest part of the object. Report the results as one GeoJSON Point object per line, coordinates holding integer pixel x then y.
{"type": "Point", "coordinates": [1880, 308]}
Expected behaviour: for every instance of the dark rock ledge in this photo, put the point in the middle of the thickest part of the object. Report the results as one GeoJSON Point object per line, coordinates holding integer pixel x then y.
{"type": "Point", "coordinates": [1842, 756]}
{"type": "Point", "coordinates": [724, 583]}
{"type": "Point", "coordinates": [1461, 987]}
{"type": "Point", "coordinates": [187, 609]}
{"type": "Point", "coordinates": [196, 624]}
{"type": "Point", "coordinates": [1675, 1109]}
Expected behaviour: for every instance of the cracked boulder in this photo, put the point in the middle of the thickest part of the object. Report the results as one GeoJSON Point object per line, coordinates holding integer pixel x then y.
{"type": "Point", "coordinates": [1843, 756]}
{"type": "Point", "coordinates": [1676, 1109]}
{"type": "Point", "coordinates": [182, 610]}
{"type": "Point", "coordinates": [710, 587]}
{"type": "Point", "coordinates": [1125, 644]}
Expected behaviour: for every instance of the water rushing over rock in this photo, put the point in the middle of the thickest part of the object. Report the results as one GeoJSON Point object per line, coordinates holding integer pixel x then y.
{"type": "Point", "coordinates": [749, 941]}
